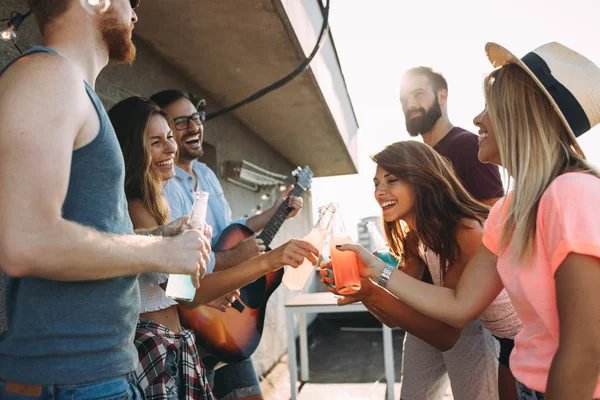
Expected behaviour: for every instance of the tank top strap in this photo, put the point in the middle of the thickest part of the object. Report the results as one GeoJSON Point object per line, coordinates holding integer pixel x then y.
{"type": "Point", "coordinates": [432, 261]}
{"type": "Point", "coordinates": [33, 50]}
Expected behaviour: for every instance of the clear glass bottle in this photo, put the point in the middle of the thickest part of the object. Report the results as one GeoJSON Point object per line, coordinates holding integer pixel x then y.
{"type": "Point", "coordinates": [380, 247]}
{"type": "Point", "coordinates": [296, 278]}
{"type": "Point", "coordinates": [180, 287]}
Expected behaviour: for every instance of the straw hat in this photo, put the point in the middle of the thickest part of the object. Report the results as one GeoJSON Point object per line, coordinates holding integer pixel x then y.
{"type": "Point", "coordinates": [570, 81]}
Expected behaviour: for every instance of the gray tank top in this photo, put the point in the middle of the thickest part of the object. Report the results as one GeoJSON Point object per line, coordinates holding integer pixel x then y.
{"type": "Point", "coordinates": [75, 332]}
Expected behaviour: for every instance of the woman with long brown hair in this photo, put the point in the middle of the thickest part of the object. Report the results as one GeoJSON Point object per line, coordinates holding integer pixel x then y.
{"type": "Point", "coordinates": [542, 242]}
{"type": "Point", "coordinates": [431, 221]}
{"type": "Point", "coordinates": [170, 367]}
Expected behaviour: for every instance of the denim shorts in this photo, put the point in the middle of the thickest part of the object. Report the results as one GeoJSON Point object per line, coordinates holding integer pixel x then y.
{"type": "Point", "coordinates": [234, 381]}
{"type": "Point", "coordinates": [122, 388]}
{"type": "Point", "coordinates": [173, 367]}
{"type": "Point", "coordinates": [524, 393]}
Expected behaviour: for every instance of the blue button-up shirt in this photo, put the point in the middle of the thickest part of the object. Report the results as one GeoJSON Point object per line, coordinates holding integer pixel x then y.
{"type": "Point", "coordinates": [179, 193]}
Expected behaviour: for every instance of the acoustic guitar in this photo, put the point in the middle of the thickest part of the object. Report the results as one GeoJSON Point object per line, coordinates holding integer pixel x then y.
{"type": "Point", "coordinates": [234, 335]}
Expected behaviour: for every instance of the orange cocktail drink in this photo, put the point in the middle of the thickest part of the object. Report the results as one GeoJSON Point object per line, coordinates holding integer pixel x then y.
{"type": "Point", "coordinates": [345, 267]}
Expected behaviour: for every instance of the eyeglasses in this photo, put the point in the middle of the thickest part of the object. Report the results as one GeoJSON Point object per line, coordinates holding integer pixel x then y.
{"type": "Point", "coordinates": [182, 123]}
{"type": "Point", "coordinates": [134, 3]}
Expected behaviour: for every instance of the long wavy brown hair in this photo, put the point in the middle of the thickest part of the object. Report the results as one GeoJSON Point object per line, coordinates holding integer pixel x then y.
{"type": "Point", "coordinates": [440, 202]}
{"type": "Point", "coordinates": [130, 118]}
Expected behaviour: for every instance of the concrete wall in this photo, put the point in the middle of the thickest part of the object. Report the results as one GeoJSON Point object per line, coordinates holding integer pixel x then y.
{"type": "Point", "coordinates": [232, 140]}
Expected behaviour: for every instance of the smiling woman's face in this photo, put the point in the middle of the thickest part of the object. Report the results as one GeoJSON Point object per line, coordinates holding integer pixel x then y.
{"type": "Point", "coordinates": [161, 146]}
{"type": "Point", "coordinates": [488, 147]}
{"type": "Point", "coordinates": [395, 197]}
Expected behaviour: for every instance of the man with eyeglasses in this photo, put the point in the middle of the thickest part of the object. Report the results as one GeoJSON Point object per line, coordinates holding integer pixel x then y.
{"type": "Point", "coordinates": [68, 246]}
{"type": "Point", "coordinates": [236, 380]}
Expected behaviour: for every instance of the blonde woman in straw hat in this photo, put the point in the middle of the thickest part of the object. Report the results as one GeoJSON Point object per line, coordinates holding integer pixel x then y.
{"type": "Point", "coordinates": [542, 242]}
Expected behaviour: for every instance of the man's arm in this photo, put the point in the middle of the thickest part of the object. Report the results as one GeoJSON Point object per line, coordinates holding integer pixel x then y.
{"type": "Point", "coordinates": [245, 250]}
{"type": "Point", "coordinates": [43, 107]}
{"type": "Point", "coordinates": [171, 229]}
{"type": "Point", "coordinates": [258, 222]}
{"type": "Point", "coordinates": [251, 246]}
{"type": "Point", "coordinates": [180, 209]}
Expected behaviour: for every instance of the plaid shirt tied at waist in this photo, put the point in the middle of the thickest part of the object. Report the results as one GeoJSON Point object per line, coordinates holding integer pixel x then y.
{"type": "Point", "coordinates": [154, 342]}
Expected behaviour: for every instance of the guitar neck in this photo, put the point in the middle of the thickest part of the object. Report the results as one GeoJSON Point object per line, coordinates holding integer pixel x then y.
{"type": "Point", "coordinates": [272, 227]}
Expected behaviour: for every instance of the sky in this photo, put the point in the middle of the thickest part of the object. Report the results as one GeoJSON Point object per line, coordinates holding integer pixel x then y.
{"type": "Point", "coordinates": [377, 40]}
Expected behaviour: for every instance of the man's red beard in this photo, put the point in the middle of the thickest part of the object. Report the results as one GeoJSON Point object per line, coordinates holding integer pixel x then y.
{"type": "Point", "coordinates": [117, 38]}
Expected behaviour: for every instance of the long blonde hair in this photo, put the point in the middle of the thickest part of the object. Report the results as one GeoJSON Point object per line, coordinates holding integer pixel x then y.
{"type": "Point", "coordinates": [534, 145]}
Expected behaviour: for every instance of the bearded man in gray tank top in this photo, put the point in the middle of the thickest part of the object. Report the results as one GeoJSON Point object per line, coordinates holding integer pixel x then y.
{"type": "Point", "coordinates": [72, 257]}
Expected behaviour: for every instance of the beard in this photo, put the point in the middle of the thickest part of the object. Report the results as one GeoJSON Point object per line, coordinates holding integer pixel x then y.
{"type": "Point", "coordinates": [187, 153]}
{"type": "Point", "coordinates": [117, 38]}
{"type": "Point", "coordinates": [424, 123]}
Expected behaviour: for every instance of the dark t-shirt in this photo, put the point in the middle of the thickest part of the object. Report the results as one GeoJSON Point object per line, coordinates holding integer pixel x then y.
{"type": "Point", "coordinates": [461, 148]}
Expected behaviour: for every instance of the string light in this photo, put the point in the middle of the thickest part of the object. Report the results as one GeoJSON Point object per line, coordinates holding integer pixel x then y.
{"type": "Point", "coordinates": [8, 34]}
{"type": "Point", "coordinates": [95, 7]}
{"type": "Point", "coordinates": [13, 25]}
{"type": "Point", "coordinates": [258, 209]}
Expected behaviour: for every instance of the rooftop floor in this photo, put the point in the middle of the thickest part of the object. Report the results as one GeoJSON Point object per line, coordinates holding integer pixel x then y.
{"type": "Point", "coordinates": [345, 361]}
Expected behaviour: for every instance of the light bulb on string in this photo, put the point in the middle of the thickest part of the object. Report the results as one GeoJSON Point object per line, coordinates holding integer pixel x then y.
{"type": "Point", "coordinates": [95, 7]}
{"type": "Point", "coordinates": [14, 23]}
{"type": "Point", "coordinates": [8, 34]}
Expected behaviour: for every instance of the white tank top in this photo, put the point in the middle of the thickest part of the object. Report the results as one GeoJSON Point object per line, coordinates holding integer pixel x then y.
{"type": "Point", "coordinates": [500, 317]}
{"type": "Point", "coordinates": [152, 296]}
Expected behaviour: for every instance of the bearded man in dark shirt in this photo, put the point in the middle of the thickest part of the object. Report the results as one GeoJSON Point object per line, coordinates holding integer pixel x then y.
{"type": "Point", "coordinates": [424, 99]}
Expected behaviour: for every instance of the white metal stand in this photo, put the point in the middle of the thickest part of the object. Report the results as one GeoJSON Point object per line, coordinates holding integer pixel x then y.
{"type": "Point", "coordinates": [326, 303]}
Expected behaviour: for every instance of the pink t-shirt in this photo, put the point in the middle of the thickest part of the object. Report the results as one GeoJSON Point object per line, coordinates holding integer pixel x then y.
{"type": "Point", "coordinates": [567, 222]}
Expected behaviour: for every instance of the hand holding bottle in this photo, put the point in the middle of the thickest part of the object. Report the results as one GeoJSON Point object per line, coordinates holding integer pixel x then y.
{"type": "Point", "coordinates": [180, 286]}
{"type": "Point", "coordinates": [291, 253]}
{"type": "Point", "coordinates": [296, 278]}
